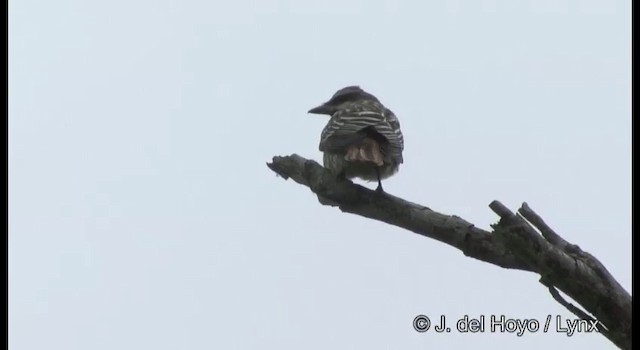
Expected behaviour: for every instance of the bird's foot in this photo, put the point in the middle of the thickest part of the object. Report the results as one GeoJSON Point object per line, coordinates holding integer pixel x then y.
{"type": "Point", "coordinates": [379, 188]}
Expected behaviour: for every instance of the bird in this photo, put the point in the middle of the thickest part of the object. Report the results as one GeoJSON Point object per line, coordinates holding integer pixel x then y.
{"type": "Point", "coordinates": [362, 138]}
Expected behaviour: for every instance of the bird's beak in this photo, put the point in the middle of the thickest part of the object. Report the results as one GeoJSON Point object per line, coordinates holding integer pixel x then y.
{"type": "Point", "coordinates": [322, 109]}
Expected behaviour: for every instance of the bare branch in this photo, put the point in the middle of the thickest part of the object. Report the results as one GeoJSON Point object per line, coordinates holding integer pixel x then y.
{"type": "Point", "coordinates": [514, 243]}
{"type": "Point", "coordinates": [547, 232]}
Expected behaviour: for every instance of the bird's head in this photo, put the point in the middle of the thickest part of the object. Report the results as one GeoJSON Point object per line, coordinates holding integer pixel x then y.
{"type": "Point", "coordinates": [349, 94]}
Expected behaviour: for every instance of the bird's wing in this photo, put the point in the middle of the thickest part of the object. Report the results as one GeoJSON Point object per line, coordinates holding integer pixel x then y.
{"type": "Point", "coordinates": [352, 126]}
{"type": "Point", "coordinates": [396, 140]}
{"type": "Point", "coordinates": [338, 142]}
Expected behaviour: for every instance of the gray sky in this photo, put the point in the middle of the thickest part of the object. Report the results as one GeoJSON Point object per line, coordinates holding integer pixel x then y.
{"type": "Point", "coordinates": [142, 215]}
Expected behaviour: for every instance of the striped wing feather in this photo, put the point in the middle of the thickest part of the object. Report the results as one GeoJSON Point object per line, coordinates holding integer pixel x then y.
{"type": "Point", "coordinates": [352, 126]}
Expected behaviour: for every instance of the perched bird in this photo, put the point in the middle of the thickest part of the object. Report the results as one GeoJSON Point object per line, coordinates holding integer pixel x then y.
{"type": "Point", "coordinates": [363, 137]}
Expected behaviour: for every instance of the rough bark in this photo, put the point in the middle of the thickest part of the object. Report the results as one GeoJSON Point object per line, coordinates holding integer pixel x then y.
{"type": "Point", "coordinates": [521, 241]}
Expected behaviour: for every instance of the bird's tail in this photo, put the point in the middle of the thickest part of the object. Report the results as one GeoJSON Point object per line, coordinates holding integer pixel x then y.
{"type": "Point", "coordinates": [367, 151]}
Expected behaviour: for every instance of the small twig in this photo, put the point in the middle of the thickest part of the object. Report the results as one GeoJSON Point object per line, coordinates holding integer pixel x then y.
{"type": "Point", "coordinates": [575, 310]}
{"type": "Point", "coordinates": [501, 210]}
{"type": "Point", "coordinates": [547, 232]}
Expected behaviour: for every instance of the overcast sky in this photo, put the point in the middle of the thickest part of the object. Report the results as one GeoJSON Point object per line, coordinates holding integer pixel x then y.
{"type": "Point", "coordinates": [142, 215]}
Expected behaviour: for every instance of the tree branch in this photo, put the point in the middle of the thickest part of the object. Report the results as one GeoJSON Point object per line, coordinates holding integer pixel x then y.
{"type": "Point", "coordinates": [514, 243]}
{"type": "Point", "coordinates": [574, 309]}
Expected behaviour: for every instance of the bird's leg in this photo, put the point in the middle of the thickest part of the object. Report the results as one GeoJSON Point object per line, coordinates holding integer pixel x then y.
{"type": "Point", "coordinates": [379, 188]}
